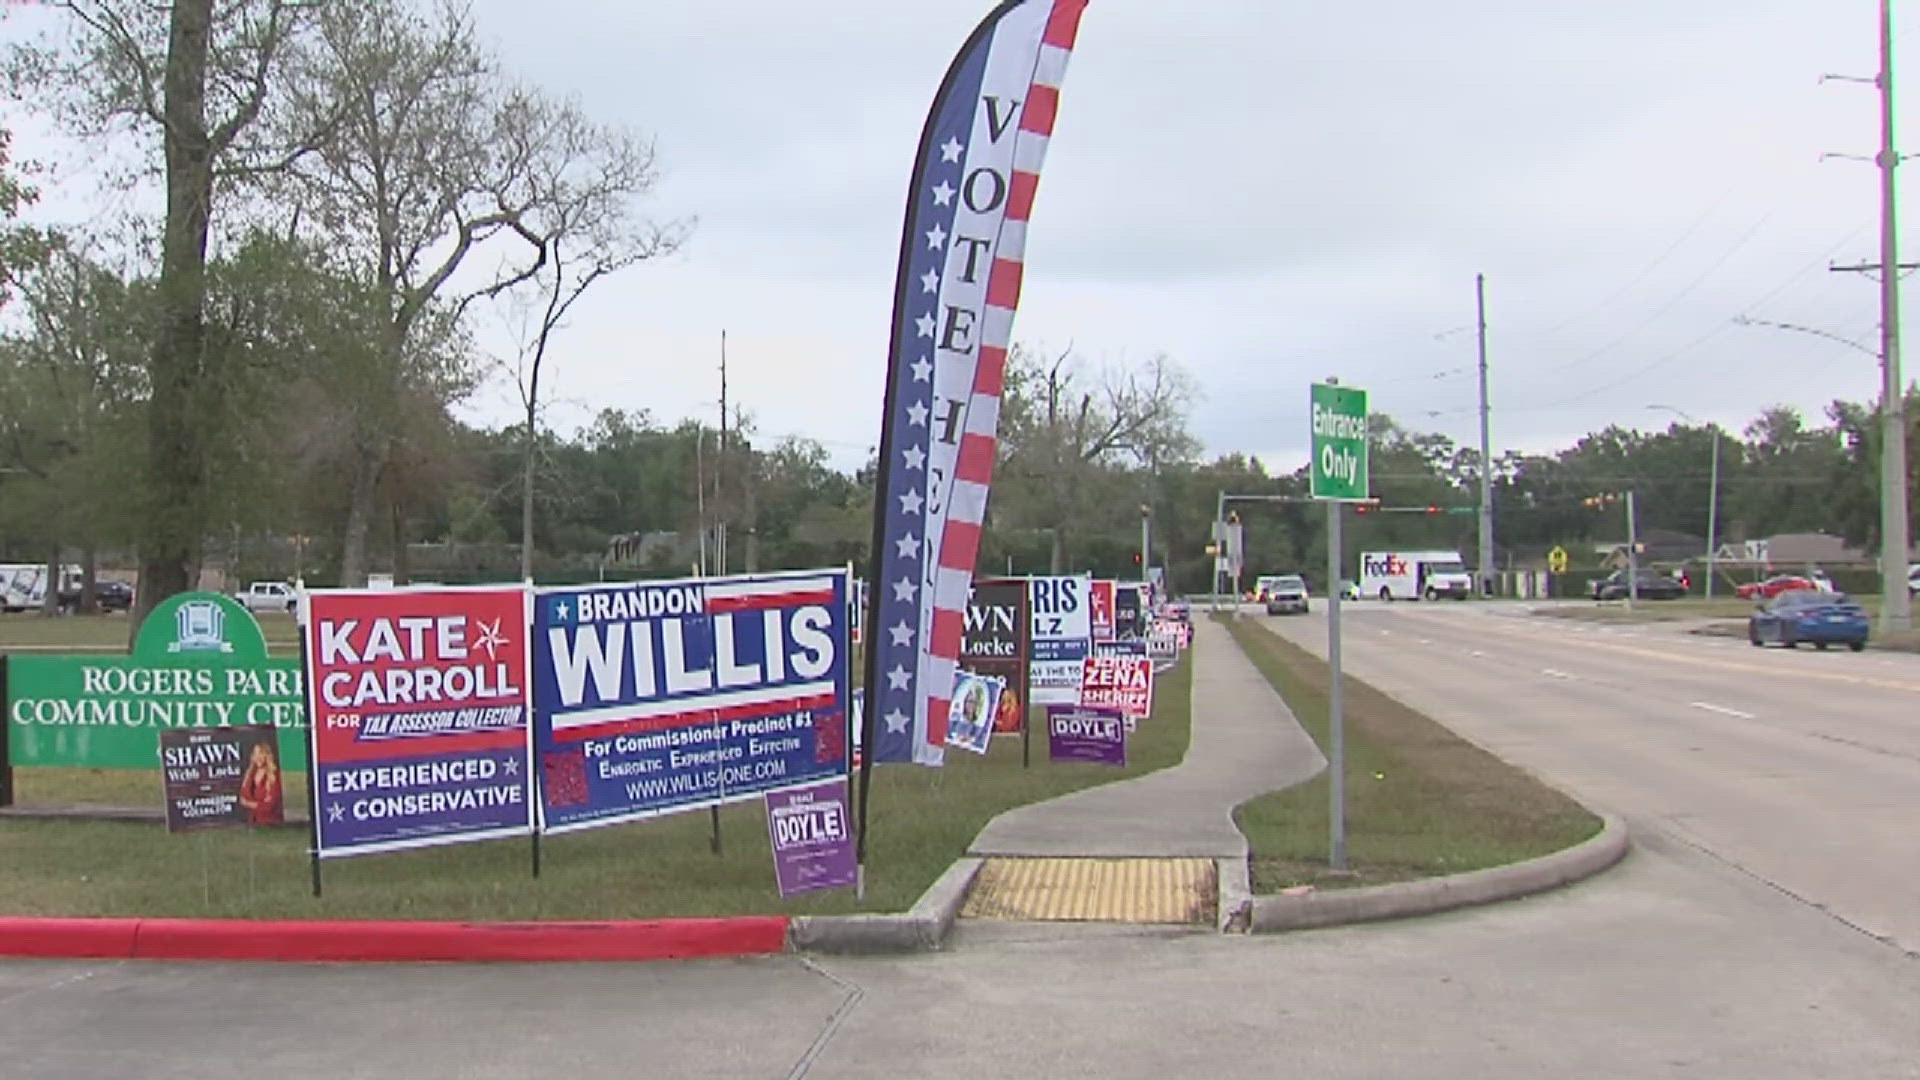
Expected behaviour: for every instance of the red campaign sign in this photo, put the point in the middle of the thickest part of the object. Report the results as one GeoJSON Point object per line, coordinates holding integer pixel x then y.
{"type": "Point", "coordinates": [1100, 610]}
{"type": "Point", "coordinates": [412, 672]}
{"type": "Point", "coordinates": [419, 716]}
{"type": "Point", "coordinates": [1118, 682]}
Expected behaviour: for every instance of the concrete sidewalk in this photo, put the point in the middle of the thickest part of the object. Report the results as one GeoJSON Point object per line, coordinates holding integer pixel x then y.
{"type": "Point", "coordinates": [1245, 742]}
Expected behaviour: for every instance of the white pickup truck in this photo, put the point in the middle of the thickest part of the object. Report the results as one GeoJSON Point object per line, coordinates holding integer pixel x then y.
{"type": "Point", "coordinates": [268, 596]}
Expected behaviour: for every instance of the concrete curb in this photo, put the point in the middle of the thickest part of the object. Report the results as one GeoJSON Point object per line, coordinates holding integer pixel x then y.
{"type": "Point", "coordinates": [923, 928]}
{"type": "Point", "coordinates": [1333, 908]}
{"type": "Point", "coordinates": [1234, 887]}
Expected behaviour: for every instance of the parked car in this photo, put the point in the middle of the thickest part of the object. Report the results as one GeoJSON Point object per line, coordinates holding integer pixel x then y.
{"type": "Point", "coordinates": [1774, 586]}
{"type": "Point", "coordinates": [107, 596]}
{"type": "Point", "coordinates": [268, 596]}
{"type": "Point", "coordinates": [1349, 590]}
{"type": "Point", "coordinates": [1798, 615]}
{"type": "Point", "coordinates": [1648, 585]}
{"type": "Point", "coordinates": [1287, 594]}
{"type": "Point", "coordinates": [113, 595]}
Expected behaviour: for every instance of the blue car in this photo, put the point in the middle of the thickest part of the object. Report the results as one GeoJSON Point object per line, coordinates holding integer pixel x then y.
{"type": "Point", "coordinates": [1823, 618]}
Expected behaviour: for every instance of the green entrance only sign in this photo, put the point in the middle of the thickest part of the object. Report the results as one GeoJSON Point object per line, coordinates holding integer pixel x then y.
{"type": "Point", "coordinates": [1339, 423]}
{"type": "Point", "coordinates": [199, 661]}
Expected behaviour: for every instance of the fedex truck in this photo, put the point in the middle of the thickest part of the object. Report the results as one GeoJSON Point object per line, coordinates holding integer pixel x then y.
{"type": "Point", "coordinates": [1414, 575]}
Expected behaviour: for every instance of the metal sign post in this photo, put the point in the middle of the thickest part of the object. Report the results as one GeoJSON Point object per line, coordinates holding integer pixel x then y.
{"type": "Point", "coordinates": [1336, 726]}
{"type": "Point", "coordinates": [1338, 418]}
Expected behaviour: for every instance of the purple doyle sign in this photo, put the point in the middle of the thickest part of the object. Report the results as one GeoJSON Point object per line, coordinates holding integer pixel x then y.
{"type": "Point", "coordinates": [1086, 733]}
{"type": "Point", "coordinates": [812, 845]}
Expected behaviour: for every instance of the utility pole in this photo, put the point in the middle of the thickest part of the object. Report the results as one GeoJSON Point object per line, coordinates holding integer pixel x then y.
{"type": "Point", "coordinates": [1896, 607]}
{"type": "Point", "coordinates": [1713, 492]}
{"type": "Point", "coordinates": [1633, 555]}
{"type": "Point", "coordinates": [1896, 612]}
{"type": "Point", "coordinates": [1713, 509]}
{"type": "Point", "coordinates": [1486, 453]}
{"type": "Point", "coordinates": [720, 467]}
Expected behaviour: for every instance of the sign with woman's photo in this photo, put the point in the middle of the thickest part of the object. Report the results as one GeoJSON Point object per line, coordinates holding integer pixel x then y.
{"type": "Point", "coordinates": [975, 700]}
{"type": "Point", "coordinates": [222, 776]}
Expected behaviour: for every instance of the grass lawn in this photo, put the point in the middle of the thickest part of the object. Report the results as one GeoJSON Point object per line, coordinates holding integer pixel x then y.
{"type": "Point", "coordinates": [1421, 801]}
{"type": "Point", "coordinates": [922, 820]}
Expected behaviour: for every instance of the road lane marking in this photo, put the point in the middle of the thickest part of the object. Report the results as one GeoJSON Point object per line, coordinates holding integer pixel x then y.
{"type": "Point", "coordinates": [1687, 657]}
{"type": "Point", "coordinates": [1555, 672]}
{"type": "Point", "coordinates": [1477, 652]}
{"type": "Point", "coordinates": [1721, 709]}
{"type": "Point", "coordinates": [1424, 641]}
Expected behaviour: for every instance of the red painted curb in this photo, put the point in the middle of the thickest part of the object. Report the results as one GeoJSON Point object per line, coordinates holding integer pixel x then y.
{"type": "Point", "coordinates": [68, 937]}
{"type": "Point", "coordinates": [385, 941]}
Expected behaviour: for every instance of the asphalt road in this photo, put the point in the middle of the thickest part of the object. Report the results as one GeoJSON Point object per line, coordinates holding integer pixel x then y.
{"type": "Point", "coordinates": [1705, 954]}
{"type": "Point", "coordinates": [1800, 768]}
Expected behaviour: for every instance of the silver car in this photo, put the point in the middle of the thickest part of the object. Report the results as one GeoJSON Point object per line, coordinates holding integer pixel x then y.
{"type": "Point", "coordinates": [1287, 595]}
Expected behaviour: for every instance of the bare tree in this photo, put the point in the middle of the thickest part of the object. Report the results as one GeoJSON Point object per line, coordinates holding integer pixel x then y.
{"type": "Point", "coordinates": [1064, 431]}
{"type": "Point", "coordinates": [587, 181]}
{"type": "Point", "coordinates": [437, 159]}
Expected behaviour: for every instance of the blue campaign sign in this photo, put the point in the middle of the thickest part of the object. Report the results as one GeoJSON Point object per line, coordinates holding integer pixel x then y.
{"type": "Point", "coordinates": [652, 697]}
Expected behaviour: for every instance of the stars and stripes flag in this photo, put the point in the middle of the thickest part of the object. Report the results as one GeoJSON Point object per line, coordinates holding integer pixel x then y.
{"type": "Point", "coordinates": [959, 281]}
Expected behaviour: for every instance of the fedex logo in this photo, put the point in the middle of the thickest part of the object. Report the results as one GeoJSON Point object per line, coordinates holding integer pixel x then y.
{"type": "Point", "coordinates": [1384, 566]}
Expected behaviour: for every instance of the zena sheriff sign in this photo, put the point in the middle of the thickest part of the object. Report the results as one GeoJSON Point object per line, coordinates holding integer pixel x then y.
{"type": "Point", "coordinates": [419, 716]}
{"type": "Point", "coordinates": [661, 696]}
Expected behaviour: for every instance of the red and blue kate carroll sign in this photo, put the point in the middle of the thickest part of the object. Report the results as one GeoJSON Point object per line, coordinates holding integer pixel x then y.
{"type": "Point", "coordinates": [418, 701]}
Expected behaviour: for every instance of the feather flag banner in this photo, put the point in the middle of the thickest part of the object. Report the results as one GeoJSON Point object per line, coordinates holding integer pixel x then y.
{"type": "Point", "coordinates": [958, 284]}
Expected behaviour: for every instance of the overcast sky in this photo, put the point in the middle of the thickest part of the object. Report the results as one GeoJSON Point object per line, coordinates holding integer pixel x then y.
{"type": "Point", "coordinates": [1268, 193]}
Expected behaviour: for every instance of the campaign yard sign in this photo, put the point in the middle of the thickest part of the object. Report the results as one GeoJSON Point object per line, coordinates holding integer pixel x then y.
{"type": "Point", "coordinates": [198, 662]}
{"type": "Point", "coordinates": [1100, 609]}
{"type": "Point", "coordinates": [1135, 647]}
{"type": "Point", "coordinates": [976, 700]}
{"type": "Point", "coordinates": [221, 776]}
{"type": "Point", "coordinates": [1129, 611]}
{"type": "Point", "coordinates": [654, 697]}
{"type": "Point", "coordinates": [812, 843]}
{"type": "Point", "coordinates": [1062, 636]}
{"type": "Point", "coordinates": [1164, 643]}
{"type": "Point", "coordinates": [995, 641]}
{"type": "Point", "coordinates": [418, 700]}
{"type": "Point", "coordinates": [1119, 682]}
{"type": "Point", "coordinates": [1086, 733]}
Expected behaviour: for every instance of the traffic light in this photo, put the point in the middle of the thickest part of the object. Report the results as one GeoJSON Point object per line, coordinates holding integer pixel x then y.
{"type": "Point", "coordinates": [1432, 509]}
{"type": "Point", "coordinates": [1136, 558]}
{"type": "Point", "coordinates": [1361, 508]}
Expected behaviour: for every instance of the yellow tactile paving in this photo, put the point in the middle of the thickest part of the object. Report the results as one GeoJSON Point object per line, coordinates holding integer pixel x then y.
{"type": "Point", "coordinates": [1094, 890]}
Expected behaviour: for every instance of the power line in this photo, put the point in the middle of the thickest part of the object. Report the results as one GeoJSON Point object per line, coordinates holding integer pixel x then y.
{"type": "Point", "coordinates": [1646, 270]}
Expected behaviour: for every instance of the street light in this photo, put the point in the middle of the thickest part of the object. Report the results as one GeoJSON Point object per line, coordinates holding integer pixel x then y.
{"type": "Point", "coordinates": [1713, 492]}
{"type": "Point", "coordinates": [1896, 609]}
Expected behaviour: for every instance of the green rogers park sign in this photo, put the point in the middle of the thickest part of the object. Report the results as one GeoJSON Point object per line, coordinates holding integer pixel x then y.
{"type": "Point", "coordinates": [199, 661]}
